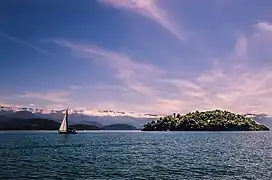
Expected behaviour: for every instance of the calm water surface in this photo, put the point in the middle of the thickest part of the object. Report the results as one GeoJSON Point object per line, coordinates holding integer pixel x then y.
{"type": "Point", "coordinates": [136, 155]}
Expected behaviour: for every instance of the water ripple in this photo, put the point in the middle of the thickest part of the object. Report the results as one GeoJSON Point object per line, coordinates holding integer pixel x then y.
{"type": "Point", "coordinates": [137, 155]}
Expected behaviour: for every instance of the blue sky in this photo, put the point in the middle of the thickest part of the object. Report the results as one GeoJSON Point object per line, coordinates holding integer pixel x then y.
{"type": "Point", "coordinates": [137, 55]}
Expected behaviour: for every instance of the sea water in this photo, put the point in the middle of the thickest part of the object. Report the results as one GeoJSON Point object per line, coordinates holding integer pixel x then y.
{"type": "Point", "coordinates": [135, 155]}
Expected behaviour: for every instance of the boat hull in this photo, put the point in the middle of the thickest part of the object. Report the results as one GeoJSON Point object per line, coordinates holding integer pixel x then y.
{"type": "Point", "coordinates": [69, 132]}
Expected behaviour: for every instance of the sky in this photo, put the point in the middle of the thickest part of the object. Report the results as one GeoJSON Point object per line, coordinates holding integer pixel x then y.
{"type": "Point", "coordinates": [155, 56]}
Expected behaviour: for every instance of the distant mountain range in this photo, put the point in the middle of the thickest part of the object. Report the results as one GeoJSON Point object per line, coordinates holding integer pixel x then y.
{"type": "Point", "coordinates": [46, 124]}
{"type": "Point", "coordinates": [94, 118]}
{"type": "Point", "coordinates": [119, 126]}
{"type": "Point", "coordinates": [261, 118]}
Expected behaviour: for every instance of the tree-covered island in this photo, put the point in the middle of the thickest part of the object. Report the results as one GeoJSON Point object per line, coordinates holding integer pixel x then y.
{"type": "Point", "coordinates": [216, 120]}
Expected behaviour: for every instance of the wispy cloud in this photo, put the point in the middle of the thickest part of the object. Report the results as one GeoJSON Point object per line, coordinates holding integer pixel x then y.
{"type": "Point", "coordinates": [241, 48]}
{"type": "Point", "coordinates": [149, 9]}
{"type": "Point", "coordinates": [132, 73]}
{"type": "Point", "coordinates": [264, 26]}
{"type": "Point", "coordinates": [264, 33]}
{"type": "Point", "coordinates": [53, 96]}
{"type": "Point", "coordinates": [233, 84]}
{"type": "Point", "coordinates": [229, 84]}
{"type": "Point", "coordinates": [74, 87]}
{"type": "Point", "coordinates": [24, 43]}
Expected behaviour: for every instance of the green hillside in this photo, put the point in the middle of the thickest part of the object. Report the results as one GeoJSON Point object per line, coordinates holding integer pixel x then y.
{"type": "Point", "coordinates": [215, 120]}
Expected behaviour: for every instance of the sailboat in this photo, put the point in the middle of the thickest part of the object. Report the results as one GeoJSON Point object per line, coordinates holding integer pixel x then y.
{"type": "Point", "coordinates": [64, 128]}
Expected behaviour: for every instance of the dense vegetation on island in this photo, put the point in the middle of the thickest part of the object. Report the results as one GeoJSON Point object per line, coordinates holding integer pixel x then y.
{"type": "Point", "coordinates": [216, 120]}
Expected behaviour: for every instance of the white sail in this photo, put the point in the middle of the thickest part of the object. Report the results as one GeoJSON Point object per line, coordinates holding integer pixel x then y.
{"type": "Point", "coordinates": [64, 123]}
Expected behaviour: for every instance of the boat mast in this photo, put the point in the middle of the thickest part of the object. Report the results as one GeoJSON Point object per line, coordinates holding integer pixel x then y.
{"type": "Point", "coordinates": [66, 119]}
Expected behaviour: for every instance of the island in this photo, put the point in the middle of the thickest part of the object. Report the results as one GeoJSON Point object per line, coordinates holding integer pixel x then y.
{"type": "Point", "coordinates": [215, 120]}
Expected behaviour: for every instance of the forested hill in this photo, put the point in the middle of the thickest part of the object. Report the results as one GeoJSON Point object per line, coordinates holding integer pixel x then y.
{"type": "Point", "coordinates": [216, 120]}
{"type": "Point", "coordinates": [39, 124]}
